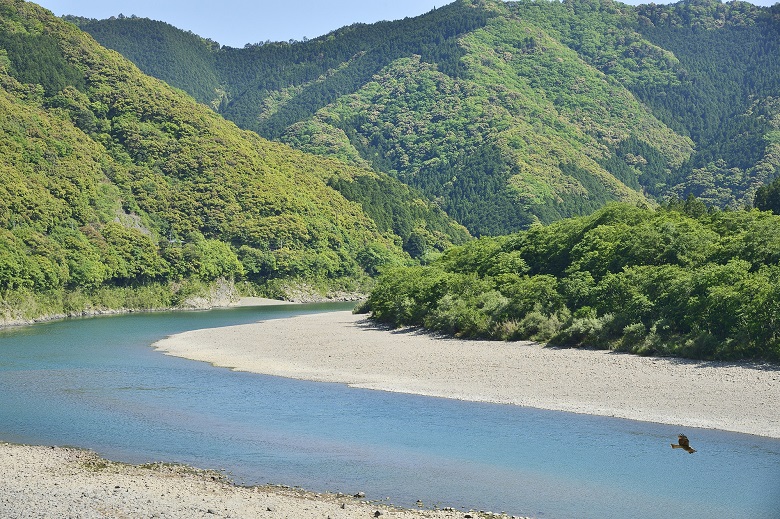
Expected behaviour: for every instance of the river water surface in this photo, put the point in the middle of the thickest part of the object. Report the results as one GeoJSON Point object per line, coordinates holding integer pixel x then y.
{"type": "Point", "coordinates": [97, 383]}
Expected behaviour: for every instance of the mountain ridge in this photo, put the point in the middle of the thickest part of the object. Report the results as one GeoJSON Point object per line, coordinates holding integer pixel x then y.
{"type": "Point", "coordinates": [593, 67]}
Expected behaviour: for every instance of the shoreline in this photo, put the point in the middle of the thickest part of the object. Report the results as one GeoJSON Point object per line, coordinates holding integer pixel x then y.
{"type": "Point", "coordinates": [241, 302]}
{"type": "Point", "coordinates": [349, 349]}
{"type": "Point", "coordinates": [69, 482]}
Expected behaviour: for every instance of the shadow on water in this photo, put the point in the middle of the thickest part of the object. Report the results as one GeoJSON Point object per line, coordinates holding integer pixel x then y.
{"type": "Point", "coordinates": [96, 383]}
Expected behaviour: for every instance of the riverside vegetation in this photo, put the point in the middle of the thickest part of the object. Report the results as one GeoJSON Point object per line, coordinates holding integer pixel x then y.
{"type": "Point", "coordinates": [512, 113]}
{"type": "Point", "coordinates": [680, 281]}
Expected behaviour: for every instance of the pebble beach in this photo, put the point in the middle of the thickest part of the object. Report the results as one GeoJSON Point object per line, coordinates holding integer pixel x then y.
{"type": "Point", "coordinates": [64, 483]}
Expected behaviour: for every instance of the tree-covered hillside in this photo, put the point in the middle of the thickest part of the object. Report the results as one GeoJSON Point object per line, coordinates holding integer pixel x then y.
{"type": "Point", "coordinates": [111, 178]}
{"type": "Point", "coordinates": [707, 69]}
{"type": "Point", "coordinates": [180, 58]}
{"type": "Point", "coordinates": [543, 109]}
{"type": "Point", "coordinates": [523, 129]}
{"type": "Point", "coordinates": [681, 281]}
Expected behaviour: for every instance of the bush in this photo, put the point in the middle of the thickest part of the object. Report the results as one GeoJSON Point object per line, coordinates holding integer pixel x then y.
{"type": "Point", "coordinates": [633, 338]}
{"type": "Point", "coordinates": [456, 317]}
{"type": "Point", "coordinates": [538, 326]}
{"type": "Point", "coordinates": [362, 307]}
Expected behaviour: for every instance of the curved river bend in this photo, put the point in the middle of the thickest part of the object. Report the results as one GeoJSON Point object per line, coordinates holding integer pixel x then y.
{"type": "Point", "coordinates": [97, 383]}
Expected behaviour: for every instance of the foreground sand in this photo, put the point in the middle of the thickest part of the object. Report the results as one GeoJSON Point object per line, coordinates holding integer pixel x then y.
{"type": "Point", "coordinates": [346, 348]}
{"type": "Point", "coordinates": [48, 482]}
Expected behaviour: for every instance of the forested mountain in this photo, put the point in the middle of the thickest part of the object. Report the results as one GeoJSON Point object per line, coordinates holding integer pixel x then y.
{"type": "Point", "coordinates": [506, 113]}
{"type": "Point", "coordinates": [707, 69]}
{"type": "Point", "coordinates": [111, 178]}
{"type": "Point", "coordinates": [181, 58]}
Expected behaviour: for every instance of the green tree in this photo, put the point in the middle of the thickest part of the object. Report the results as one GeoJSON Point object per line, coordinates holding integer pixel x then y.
{"type": "Point", "coordinates": [768, 197]}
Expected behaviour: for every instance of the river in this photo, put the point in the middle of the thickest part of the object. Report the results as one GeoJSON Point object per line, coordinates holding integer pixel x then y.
{"type": "Point", "coordinates": [96, 383]}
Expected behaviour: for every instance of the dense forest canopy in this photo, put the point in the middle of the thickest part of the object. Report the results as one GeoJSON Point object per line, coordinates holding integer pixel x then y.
{"type": "Point", "coordinates": [705, 68]}
{"type": "Point", "coordinates": [682, 280]}
{"type": "Point", "coordinates": [508, 113]}
{"type": "Point", "coordinates": [111, 178]}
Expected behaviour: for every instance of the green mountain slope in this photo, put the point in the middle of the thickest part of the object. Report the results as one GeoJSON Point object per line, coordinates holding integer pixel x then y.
{"type": "Point", "coordinates": [112, 178]}
{"type": "Point", "coordinates": [705, 68]}
{"type": "Point", "coordinates": [543, 109]}
{"type": "Point", "coordinates": [179, 58]}
{"type": "Point", "coordinates": [470, 157]}
{"type": "Point", "coordinates": [523, 135]}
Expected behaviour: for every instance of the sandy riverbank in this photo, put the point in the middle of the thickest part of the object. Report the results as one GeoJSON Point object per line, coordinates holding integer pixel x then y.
{"type": "Point", "coordinates": [49, 482]}
{"type": "Point", "coordinates": [345, 348]}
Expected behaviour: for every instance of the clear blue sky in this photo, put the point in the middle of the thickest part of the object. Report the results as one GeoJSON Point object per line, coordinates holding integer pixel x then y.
{"type": "Point", "coordinates": [237, 22]}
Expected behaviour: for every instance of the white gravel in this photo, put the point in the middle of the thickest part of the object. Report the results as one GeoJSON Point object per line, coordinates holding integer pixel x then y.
{"type": "Point", "coordinates": [346, 348]}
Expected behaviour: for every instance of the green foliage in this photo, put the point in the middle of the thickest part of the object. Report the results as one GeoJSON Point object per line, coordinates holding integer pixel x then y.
{"type": "Point", "coordinates": [403, 211]}
{"type": "Point", "coordinates": [23, 305]}
{"type": "Point", "coordinates": [468, 141]}
{"type": "Point", "coordinates": [725, 97]}
{"type": "Point", "coordinates": [179, 58]}
{"type": "Point", "coordinates": [499, 128]}
{"type": "Point", "coordinates": [703, 67]}
{"type": "Point", "coordinates": [508, 113]}
{"type": "Point", "coordinates": [318, 70]}
{"type": "Point", "coordinates": [374, 258]}
{"type": "Point", "coordinates": [645, 281]}
{"type": "Point", "coordinates": [768, 197]}
{"type": "Point", "coordinates": [112, 179]}
{"type": "Point", "coordinates": [407, 299]}
{"type": "Point", "coordinates": [34, 56]}
{"type": "Point", "coordinates": [502, 114]}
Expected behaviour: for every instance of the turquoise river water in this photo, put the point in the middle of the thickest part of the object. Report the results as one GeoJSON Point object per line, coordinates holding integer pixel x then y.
{"type": "Point", "coordinates": [97, 383]}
